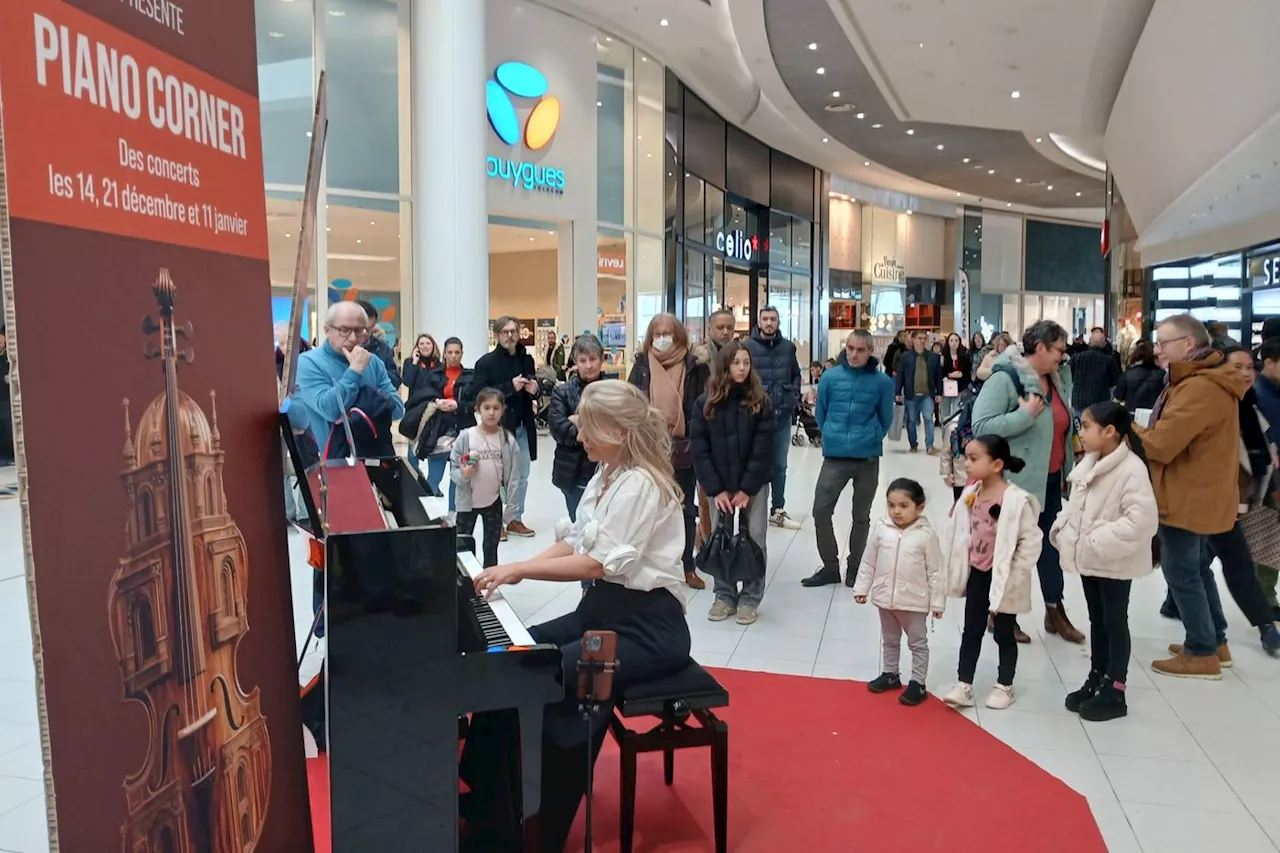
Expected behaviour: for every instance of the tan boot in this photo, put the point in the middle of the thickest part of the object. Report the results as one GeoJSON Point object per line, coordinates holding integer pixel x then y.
{"type": "Point", "coordinates": [1190, 666]}
{"type": "Point", "coordinates": [1224, 654]}
{"type": "Point", "coordinates": [1056, 622]}
{"type": "Point", "coordinates": [692, 581]}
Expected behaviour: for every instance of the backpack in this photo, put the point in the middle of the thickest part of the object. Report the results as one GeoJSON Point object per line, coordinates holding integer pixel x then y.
{"type": "Point", "coordinates": [964, 422]}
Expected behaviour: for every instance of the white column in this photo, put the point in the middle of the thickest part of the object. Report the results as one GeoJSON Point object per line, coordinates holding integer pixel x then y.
{"type": "Point", "coordinates": [450, 230]}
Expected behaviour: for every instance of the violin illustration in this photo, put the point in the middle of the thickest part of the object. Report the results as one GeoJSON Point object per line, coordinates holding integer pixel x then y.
{"type": "Point", "coordinates": [178, 611]}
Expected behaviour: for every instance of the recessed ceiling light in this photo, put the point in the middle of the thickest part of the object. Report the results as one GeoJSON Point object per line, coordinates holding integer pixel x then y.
{"type": "Point", "coordinates": [644, 59]}
{"type": "Point", "coordinates": [965, 160]}
{"type": "Point", "coordinates": [276, 35]}
{"type": "Point", "coordinates": [824, 139]}
{"type": "Point", "coordinates": [1049, 187]}
{"type": "Point", "coordinates": [940, 147]}
{"type": "Point", "coordinates": [911, 131]}
{"type": "Point", "coordinates": [813, 45]}
{"type": "Point", "coordinates": [1077, 195]}
{"type": "Point", "coordinates": [552, 233]}
{"type": "Point", "coordinates": [1039, 139]}
{"type": "Point", "coordinates": [337, 13]}
{"type": "Point", "coordinates": [1015, 94]}
{"type": "Point", "coordinates": [866, 162]}
{"type": "Point", "coordinates": [991, 171]}
{"type": "Point", "coordinates": [836, 93]}
{"type": "Point", "coordinates": [649, 155]}
{"type": "Point", "coordinates": [1008, 204]}
{"type": "Point", "coordinates": [876, 126]}
{"type": "Point", "coordinates": [308, 134]}
{"type": "Point", "coordinates": [664, 23]}
{"type": "Point", "coordinates": [908, 213]}
{"type": "Point", "coordinates": [371, 222]}
{"type": "Point", "coordinates": [608, 38]}
{"type": "Point", "coordinates": [289, 1]}
{"type": "Point", "coordinates": [288, 235]}
{"type": "Point", "coordinates": [359, 241]}
{"type": "Point", "coordinates": [860, 116]}
{"type": "Point", "coordinates": [599, 104]}
{"type": "Point", "coordinates": [1017, 180]}
{"type": "Point", "coordinates": [821, 70]}
{"type": "Point", "coordinates": [957, 195]}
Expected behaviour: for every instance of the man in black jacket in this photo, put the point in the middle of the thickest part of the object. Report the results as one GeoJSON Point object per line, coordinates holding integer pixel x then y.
{"type": "Point", "coordinates": [509, 368]}
{"type": "Point", "coordinates": [917, 385]}
{"type": "Point", "coordinates": [376, 343]}
{"type": "Point", "coordinates": [774, 358]}
{"type": "Point", "coordinates": [1094, 373]}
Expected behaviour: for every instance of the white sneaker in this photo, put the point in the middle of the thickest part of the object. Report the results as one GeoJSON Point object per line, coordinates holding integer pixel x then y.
{"type": "Point", "coordinates": [721, 611]}
{"type": "Point", "coordinates": [1001, 697]}
{"type": "Point", "coordinates": [781, 519]}
{"type": "Point", "coordinates": [960, 696]}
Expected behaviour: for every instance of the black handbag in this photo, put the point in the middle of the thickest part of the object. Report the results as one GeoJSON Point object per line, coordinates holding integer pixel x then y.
{"type": "Point", "coordinates": [731, 557]}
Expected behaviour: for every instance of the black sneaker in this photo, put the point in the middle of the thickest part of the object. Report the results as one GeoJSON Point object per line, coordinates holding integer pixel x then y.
{"type": "Point", "coordinates": [1086, 692]}
{"type": "Point", "coordinates": [822, 577]}
{"type": "Point", "coordinates": [1107, 704]}
{"type": "Point", "coordinates": [885, 681]}
{"type": "Point", "coordinates": [914, 694]}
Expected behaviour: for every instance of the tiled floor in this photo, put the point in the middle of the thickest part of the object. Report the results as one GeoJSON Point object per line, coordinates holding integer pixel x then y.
{"type": "Point", "coordinates": [1190, 769]}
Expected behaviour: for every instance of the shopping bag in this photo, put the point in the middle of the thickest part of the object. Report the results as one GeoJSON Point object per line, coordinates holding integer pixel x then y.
{"type": "Point", "coordinates": [950, 388]}
{"type": "Point", "coordinates": [895, 431]}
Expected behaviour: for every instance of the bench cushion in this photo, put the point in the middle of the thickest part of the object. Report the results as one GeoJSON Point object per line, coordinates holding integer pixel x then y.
{"type": "Point", "coordinates": [693, 687]}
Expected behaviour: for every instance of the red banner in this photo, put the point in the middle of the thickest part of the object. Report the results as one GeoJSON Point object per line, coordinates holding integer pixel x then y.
{"type": "Point", "coordinates": [137, 294]}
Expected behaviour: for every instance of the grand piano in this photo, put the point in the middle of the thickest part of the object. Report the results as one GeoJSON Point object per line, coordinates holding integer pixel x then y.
{"type": "Point", "coordinates": [413, 659]}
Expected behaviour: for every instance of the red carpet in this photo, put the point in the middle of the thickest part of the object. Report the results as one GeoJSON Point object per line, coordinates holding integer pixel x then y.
{"type": "Point", "coordinates": [818, 765]}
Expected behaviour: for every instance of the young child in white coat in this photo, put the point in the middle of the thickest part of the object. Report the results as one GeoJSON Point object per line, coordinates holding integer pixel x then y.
{"type": "Point", "coordinates": [1104, 534]}
{"type": "Point", "coordinates": [901, 572]}
{"type": "Point", "coordinates": [991, 553]}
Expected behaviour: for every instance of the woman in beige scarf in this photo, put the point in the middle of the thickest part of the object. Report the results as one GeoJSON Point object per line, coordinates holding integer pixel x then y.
{"type": "Point", "coordinates": [668, 373]}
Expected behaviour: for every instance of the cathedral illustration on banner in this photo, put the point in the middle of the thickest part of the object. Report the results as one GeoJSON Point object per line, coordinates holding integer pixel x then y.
{"type": "Point", "coordinates": [178, 611]}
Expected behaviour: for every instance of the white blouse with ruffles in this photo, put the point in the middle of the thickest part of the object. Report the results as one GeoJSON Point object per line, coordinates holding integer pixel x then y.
{"type": "Point", "coordinates": [632, 530]}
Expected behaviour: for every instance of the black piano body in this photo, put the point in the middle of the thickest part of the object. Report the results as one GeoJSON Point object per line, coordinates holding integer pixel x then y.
{"type": "Point", "coordinates": [410, 652]}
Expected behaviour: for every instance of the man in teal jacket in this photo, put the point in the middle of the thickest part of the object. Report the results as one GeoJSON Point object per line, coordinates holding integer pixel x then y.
{"type": "Point", "coordinates": [854, 412]}
{"type": "Point", "coordinates": [332, 376]}
{"type": "Point", "coordinates": [1027, 401]}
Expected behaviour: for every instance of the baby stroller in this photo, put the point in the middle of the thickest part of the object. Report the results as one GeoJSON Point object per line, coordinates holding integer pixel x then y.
{"type": "Point", "coordinates": [546, 377]}
{"type": "Point", "coordinates": [806, 421]}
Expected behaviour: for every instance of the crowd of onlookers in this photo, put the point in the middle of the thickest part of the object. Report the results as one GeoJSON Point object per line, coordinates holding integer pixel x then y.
{"type": "Point", "coordinates": [1059, 457]}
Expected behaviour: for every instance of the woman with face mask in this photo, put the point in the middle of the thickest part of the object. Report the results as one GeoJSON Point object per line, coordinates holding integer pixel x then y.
{"type": "Point", "coordinates": [672, 378]}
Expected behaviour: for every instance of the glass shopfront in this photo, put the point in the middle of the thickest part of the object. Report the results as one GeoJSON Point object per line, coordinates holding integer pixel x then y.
{"type": "Point", "coordinates": [1240, 289]}
{"type": "Point", "coordinates": [740, 229]}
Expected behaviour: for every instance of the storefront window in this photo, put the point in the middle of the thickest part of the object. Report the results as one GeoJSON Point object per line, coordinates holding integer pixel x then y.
{"type": "Point", "coordinates": [714, 215]}
{"type": "Point", "coordinates": [286, 91]}
{"type": "Point", "coordinates": [614, 130]}
{"type": "Point", "coordinates": [695, 294]}
{"type": "Point", "coordinates": [802, 244]}
{"type": "Point", "coordinates": [648, 278]}
{"type": "Point", "coordinates": [694, 208]}
{"type": "Point", "coordinates": [364, 246]}
{"type": "Point", "coordinates": [780, 239]}
{"type": "Point", "coordinates": [613, 273]}
{"type": "Point", "coordinates": [650, 85]}
{"type": "Point", "coordinates": [790, 294]}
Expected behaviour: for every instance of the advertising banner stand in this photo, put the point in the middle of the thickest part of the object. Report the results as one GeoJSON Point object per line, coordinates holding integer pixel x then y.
{"type": "Point", "coordinates": [133, 247]}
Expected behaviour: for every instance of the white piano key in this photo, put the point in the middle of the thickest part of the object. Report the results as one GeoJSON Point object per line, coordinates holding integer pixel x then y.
{"type": "Point", "coordinates": [501, 609]}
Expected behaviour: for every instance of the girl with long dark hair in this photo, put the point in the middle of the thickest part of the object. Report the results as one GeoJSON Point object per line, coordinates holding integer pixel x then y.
{"type": "Point", "coordinates": [733, 435]}
{"type": "Point", "coordinates": [957, 368]}
{"type": "Point", "coordinates": [1102, 534]}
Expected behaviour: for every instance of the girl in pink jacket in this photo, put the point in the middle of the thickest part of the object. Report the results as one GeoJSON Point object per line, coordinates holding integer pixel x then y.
{"type": "Point", "coordinates": [1104, 534]}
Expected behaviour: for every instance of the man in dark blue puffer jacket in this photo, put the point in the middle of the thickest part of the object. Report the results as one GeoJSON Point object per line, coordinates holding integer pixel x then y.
{"type": "Point", "coordinates": [854, 411]}
{"type": "Point", "coordinates": [774, 358]}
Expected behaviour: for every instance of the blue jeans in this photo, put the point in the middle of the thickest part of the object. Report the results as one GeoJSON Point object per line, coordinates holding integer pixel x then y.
{"type": "Point", "coordinates": [1185, 562]}
{"type": "Point", "coordinates": [781, 447]}
{"type": "Point", "coordinates": [435, 472]}
{"type": "Point", "coordinates": [917, 407]}
{"type": "Point", "coordinates": [522, 471]}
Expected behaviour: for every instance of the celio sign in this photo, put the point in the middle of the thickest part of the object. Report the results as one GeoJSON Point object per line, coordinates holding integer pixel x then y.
{"type": "Point", "coordinates": [1271, 272]}
{"type": "Point", "coordinates": [737, 245]}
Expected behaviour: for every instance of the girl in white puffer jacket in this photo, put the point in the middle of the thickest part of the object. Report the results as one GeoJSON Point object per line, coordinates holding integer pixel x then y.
{"type": "Point", "coordinates": [1104, 534]}
{"type": "Point", "coordinates": [901, 572]}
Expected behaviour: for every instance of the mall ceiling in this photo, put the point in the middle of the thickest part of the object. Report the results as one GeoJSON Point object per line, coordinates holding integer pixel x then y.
{"type": "Point", "coordinates": [949, 69]}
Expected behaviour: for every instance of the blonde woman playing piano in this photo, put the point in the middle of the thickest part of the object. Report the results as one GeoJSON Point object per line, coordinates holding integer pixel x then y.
{"type": "Point", "coordinates": [628, 542]}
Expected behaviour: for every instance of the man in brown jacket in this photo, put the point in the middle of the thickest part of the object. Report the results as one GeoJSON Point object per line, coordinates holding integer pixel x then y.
{"type": "Point", "coordinates": [1193, 446]}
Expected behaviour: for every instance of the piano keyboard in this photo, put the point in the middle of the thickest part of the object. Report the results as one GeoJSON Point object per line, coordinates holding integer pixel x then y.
{"type": "Point", "coordinates": [500, 624]}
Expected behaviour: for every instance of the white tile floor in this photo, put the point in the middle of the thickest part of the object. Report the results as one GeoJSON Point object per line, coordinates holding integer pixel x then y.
{"type": "Point", "coordinates": [1190, 769]}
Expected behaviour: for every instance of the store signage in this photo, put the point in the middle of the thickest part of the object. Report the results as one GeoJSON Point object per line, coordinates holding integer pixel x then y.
{"type": "Point", "coordinates": [1271, 272]}
{"type": "Point", "coordinates": [516, 79]}
{"type": "Point", "coordinates": [737, 245]}
{"type": "Point", "coordinates": [611, 264]}
{"type": "Point", "coordinates": [889, 270]}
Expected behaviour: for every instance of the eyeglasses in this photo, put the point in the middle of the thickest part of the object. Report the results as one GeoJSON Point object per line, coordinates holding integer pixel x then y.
{"type": "Point", "coordinates": [1161, 344]}
{"type": "Point", "coordinates": [509, 332]}
{"type": "Point", "coordinates": [348, 331]}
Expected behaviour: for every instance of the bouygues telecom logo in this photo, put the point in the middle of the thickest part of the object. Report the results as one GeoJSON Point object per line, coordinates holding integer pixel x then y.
{"type": "Point", "coordinates": [518, 80]}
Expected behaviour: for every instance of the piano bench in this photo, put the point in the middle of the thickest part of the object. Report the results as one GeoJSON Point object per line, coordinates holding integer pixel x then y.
{"type": "Point", "coordinates": [683, 704]}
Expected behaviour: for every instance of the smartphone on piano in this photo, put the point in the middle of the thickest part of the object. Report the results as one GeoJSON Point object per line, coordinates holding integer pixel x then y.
{"type": "Point", "coordinates": [598, 647]}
